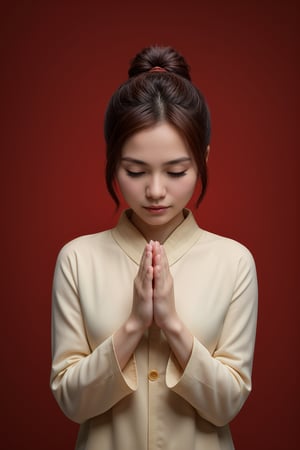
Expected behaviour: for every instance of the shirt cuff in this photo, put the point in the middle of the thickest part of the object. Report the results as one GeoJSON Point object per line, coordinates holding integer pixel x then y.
{"type": "Point", "coordinates": [174, 372]}
{"type": "Point", "coordinates": [129, 372]}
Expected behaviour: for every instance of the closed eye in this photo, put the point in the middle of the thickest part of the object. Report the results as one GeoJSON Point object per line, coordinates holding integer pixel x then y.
{"type": "Point", "coordinates": [177, 174]}
{"type": "Point", "coordinates": [130, 173]}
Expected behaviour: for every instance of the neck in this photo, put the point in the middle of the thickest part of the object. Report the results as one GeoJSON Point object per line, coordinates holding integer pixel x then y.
{"type": "Point", "coordinates": [158, 233]}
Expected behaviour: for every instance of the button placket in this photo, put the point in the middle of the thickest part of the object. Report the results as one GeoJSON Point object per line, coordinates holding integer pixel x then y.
{"type": "Point", "coordinates": [157, 357]}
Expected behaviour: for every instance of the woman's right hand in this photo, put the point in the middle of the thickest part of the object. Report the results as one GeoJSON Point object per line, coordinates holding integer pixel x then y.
{"type": "Point", "coordinates": [142, 307]}
{"type": "Point", "coordinates": [127, 338]}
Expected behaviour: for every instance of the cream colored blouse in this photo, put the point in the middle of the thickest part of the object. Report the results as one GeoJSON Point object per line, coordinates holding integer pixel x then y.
{"type": "Point", "coordinates": [152, 403]}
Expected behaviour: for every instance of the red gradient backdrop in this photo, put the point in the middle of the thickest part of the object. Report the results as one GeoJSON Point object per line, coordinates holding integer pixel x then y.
{"type": "Point", "coordinates": [60, 62]}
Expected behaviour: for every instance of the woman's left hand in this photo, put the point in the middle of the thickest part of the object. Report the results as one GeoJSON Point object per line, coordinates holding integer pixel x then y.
{"type": "Point", "coordinates": [164, 310]}
{"type": "Point", "coordinates": [165, 315]}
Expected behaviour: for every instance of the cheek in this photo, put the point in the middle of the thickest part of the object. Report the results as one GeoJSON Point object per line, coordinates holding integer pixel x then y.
{"type": "Point", "coordinates": [127, 188]}
{"type": "Point", "coordinates": [186, 187]}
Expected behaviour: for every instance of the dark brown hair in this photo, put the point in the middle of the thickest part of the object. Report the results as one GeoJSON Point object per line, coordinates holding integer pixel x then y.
{"type": "Point", "coordinates": [151, 97]}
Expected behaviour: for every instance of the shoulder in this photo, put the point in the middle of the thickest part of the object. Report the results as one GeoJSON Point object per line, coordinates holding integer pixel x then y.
{"type": "Point", "coordinates": [223, 242]}
{"type": "Point", "coordinates": [227, 249]}
{"type": "Point", "coordinates": [85, 245]}
{"type": "Point", "coordinates": [230, 259]}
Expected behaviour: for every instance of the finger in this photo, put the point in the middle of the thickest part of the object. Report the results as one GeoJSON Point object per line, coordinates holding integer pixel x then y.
{"type": "Point", "coordinates": [157, 273]}
{"type": "Point", "coordinates": [149, 273]}
{"type": "Point", "coordinates": [156, 252]}
{"type": "Point", "coordinates": [145, 254]}
{"type": "Point", "coordinates": [146, 262]}
{"type": "Point", "coordinates": [164, 259]}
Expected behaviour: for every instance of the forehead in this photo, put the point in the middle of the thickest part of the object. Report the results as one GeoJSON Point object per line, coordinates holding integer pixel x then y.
{"type": "Point", "coordinates": [159, 143]}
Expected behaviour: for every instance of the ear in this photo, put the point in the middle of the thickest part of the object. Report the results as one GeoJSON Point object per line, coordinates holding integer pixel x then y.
{"type": "Point", "coordinates": [207, 153]}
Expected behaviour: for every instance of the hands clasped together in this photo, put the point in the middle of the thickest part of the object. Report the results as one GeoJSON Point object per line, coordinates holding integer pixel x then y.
{"type": "Point", "coordinates": [153, 302]}
{"type": "Point", "coordinates": [153, 297]}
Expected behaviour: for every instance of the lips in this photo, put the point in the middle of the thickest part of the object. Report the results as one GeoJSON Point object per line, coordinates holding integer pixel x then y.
{"type": "Point", "coordinates": [156, 209]}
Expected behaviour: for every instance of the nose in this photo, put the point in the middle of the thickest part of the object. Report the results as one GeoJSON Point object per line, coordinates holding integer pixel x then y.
{"type": "Point", "coordinates": [155, 188]}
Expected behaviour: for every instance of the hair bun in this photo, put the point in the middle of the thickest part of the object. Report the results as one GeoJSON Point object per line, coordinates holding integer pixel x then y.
{"type": "Point", "coordinates": [164, 57]}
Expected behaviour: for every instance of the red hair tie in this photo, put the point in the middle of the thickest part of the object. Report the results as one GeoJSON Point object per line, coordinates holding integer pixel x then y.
{"type": "Point", "coordinates": [157, 69]}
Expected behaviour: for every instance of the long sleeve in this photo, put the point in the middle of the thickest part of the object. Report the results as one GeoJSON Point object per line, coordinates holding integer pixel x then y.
{"type": "Point", "coordinates": [85, 382]}
{"type": "Point", "coordinates": [216, 383]}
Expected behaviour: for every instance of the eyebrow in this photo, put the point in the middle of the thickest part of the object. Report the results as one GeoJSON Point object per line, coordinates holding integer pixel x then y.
{"type": "Point", "coordinates": [167, 163]}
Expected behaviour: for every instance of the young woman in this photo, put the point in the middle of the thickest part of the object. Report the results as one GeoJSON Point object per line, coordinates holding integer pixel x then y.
{"type": "Point", "coordinates": [154, 320]}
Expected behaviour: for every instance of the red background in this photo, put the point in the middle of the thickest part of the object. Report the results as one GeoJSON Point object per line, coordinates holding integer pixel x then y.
{"type": "Point", "coordinates": [60, 62]}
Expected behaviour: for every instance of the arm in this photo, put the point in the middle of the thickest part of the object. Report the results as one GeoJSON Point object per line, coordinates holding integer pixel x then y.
{"type": "Point", "coordinates": [85, 383]}
{"type": "Point", "coordinates": [217, 384]}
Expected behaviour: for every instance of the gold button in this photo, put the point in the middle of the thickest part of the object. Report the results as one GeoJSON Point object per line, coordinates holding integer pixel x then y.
{"type": "Point", "coordinates": [153, 375]}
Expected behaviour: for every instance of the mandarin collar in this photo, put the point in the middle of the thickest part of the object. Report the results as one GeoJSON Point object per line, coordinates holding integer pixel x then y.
{"type": "Point", "coordinates": [132, 242]}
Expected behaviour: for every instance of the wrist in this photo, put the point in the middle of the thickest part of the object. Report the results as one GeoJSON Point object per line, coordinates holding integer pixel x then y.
{"type": "Point", "coordinates": [180, 340]}
{"type": "Point", "coordinates": [126, 339]}
{"type": "Point", "coordinates": [172, 326]}
{"type": "Point", "coordinates": [133, 326]}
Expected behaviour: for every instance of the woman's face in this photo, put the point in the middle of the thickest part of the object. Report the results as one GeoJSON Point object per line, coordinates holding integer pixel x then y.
{"type": "Point", "coordinates": [157, 175]}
